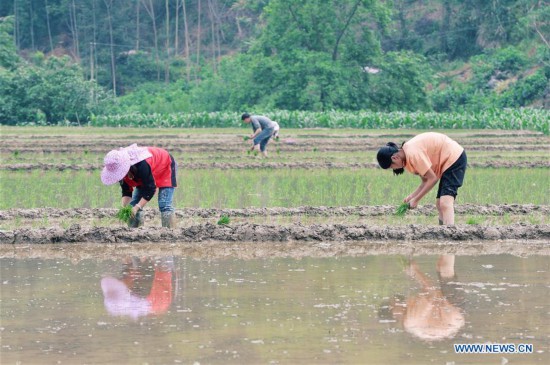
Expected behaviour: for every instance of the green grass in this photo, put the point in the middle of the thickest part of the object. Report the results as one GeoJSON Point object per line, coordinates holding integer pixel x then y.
{"type": "Point", "coordinates": [224, 220]}
{"type": "Point", "coordinates": [271, 188]}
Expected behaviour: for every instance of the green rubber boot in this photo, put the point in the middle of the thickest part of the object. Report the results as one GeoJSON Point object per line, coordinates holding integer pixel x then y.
{"type": "Point", "coordinates": [168, 219]}
{"type": "Point", "coordinates": [136, 221]}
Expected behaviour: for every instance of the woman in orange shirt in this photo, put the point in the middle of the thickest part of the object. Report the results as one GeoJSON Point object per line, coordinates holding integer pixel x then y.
{"type": "Point", "coordinates": [434, 157]}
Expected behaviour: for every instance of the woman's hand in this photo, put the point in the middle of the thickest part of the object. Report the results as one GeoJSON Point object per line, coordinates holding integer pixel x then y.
{"type": "Point", "coordinates": [413, 203]}
{"type": "Point", "coordinates": [408, 199]}
{"type": "Point", "coordinates": [135, 210]}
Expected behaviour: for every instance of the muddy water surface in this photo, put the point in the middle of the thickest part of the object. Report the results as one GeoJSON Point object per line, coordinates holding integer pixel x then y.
{"type": "Point", "coordinates": [378, 309]}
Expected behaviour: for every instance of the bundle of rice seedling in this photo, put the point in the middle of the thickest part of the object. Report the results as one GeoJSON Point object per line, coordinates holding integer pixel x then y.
{"type": "Point", "coordinates": [402, 209]}
{"type": "Point", "coordinates": [125, 213]}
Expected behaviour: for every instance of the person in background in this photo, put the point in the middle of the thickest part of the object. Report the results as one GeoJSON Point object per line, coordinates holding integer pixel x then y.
{"type": "Point", "coordinates": [263, 129]}
{"type": "Point", "coordinates": [434, 157]}
{"type": "Point", "coordinates": [140, 172]}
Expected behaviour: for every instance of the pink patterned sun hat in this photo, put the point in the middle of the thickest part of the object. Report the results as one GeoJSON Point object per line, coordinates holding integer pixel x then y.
{"type": "Point", "coordinates": [117, 162]}
{"type": "Point", "coordinates": [119, 300]}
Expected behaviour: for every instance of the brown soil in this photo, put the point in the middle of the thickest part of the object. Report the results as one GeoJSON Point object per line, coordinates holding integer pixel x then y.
{"type": "Point", "coordinates": [365, 211]}
{"type": "Point", "coordinates": [264, 165]}
{"type": "Point", "coordinates": [257, 250]}
{"type": "Point", "coordinates": [275, 233]}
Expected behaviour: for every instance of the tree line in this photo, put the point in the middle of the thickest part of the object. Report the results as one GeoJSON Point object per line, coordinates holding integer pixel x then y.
{"type": "Point", "coordinates": [281, 54]}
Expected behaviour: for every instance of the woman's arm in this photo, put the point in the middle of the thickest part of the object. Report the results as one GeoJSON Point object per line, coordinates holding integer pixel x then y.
{"type": "Point", "coordinates": [415, 193]}
{"type": "Point", "coordinates": [428, 182]}
{"type": "Point", "coordinates": [126, 193]}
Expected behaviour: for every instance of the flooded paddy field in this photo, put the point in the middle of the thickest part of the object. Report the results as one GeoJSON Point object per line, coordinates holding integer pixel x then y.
{"type": "Point", "coordinates": [153, 303]}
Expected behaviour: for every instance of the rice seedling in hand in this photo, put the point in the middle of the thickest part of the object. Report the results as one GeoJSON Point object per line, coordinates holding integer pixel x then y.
{"type": "Point", "coordinates": [246, 138]}
{"type": "Point", "coordinates": [125, 213]}
{"type": "Point", "coordinates": [402, 209]}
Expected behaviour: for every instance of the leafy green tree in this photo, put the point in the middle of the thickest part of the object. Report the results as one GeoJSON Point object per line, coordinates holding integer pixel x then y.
{"type": "Point", "coordinates": [8, 53]}
{"type": "Point", "coordinates": [402, 83]}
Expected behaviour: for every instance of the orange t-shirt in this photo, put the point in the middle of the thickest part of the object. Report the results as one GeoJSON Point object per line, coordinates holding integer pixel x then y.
{"type": "Point", "coordinates": [431, 150]}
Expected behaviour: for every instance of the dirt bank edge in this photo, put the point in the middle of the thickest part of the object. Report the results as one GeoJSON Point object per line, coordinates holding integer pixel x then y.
{"type": "Point", "coordinates": [210, 250]}
{"type": "Point", "coordinates": [274, 233]}
{"type": "Point", "coordinates": [361, 210]}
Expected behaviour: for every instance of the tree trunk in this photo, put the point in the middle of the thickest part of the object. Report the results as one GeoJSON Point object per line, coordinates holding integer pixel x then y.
{"type": "Point", "coordinates": [74, 29]}
{"type": "Point", "coordinates": [199, 35]}
{"type": "Point", "coordinates": [31, 25]}
{"type": "Point", "coordinates": [16, 25]}
{"type": "Point", "coordinates": [166, 63]}
{"type": "Point", "coordinates": [176, 33]}
{"type": "Point", "coordinates": [137, 24]}
{"type": "Point", "coordinates": [151, 11]}
{"type": "Point", "coordinates": [445, 26]}
{"type": "Point", "coordinates": [48, 25]}
{"type": "Point", "coordinates": [343, 30]}
{"type": "Point", "coordinates": [108, 5]}
{"type": "Point", "coordinates": [186, 29]}
{"type": "Point", "coordinates": [94, 54]}
{"type": "Point", "coordinates": [213, 40]}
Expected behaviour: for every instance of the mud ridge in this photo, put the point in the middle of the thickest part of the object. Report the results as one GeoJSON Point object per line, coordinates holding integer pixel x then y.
{"type": "Point", "coordinates": [364, 210]}
{"type": "Point", "coordinates": [264, 165]}
{"type": "Point", "coordinates": [297, 146]}
{"type": "Point", "coordinates": [275, 233]}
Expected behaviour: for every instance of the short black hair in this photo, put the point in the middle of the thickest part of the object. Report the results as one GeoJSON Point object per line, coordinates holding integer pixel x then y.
{"type": "Point", "coordinates": [244, 116]}
{"type": "Point", "coordinates": [385, 153]}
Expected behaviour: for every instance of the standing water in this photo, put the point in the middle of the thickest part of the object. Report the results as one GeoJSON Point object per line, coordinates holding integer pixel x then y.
{"type": "Point", "coordinates": [372, 309]}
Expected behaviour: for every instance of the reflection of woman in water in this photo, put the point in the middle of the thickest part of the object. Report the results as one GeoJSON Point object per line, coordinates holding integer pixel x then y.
{"type": "Point", "coordinates": [145, 288]}
{"type": "Point", "coordinates": [430, 315]}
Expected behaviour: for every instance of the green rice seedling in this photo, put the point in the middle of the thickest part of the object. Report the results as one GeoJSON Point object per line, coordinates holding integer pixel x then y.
{"type": "Point", "coordinates": [224, 220]}
{"type": "Point", "coordinates": [402, 209]}
{"type": "Point", "coordinates": [472, 220]}
{"type": "Point", "coordinates": [246, 138]}
{"type": "Point", "coordinates": [125, 213]}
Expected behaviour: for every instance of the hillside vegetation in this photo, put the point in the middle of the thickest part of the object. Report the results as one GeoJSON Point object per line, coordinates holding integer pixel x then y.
{"type": "Point", "coordinates": [72, 61]}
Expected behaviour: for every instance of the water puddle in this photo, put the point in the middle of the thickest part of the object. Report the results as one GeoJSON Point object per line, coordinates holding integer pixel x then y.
{"type": "Point", "coordinates": [380, 309]}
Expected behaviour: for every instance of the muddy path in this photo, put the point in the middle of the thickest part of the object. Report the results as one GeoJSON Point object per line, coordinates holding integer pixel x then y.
{"type": "Point", "coordinates": [361, 211]}
{"type": "Point", "coordinates": [219, 250]}
{"type": "Point", "coordinates": [255, 165]}
{"type": "Point", "coordinates": [275, 233]}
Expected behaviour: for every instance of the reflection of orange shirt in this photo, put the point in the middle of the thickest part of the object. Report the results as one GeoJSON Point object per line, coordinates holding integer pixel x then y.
{"type": "Point", "coordinates": [431, 150]}
{"type": "Point", "coordinates": [160, 296]}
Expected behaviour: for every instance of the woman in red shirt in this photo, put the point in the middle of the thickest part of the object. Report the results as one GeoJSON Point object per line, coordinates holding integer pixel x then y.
{"type": "Point", "coordinates": [140, 172]}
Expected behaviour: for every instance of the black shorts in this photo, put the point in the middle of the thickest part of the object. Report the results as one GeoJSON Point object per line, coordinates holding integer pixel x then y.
{"type": "Point", "coordinates": [453, 177]}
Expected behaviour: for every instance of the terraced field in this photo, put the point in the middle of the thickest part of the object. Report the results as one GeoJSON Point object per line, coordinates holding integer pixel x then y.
{"type": "Point", "coordinates": [317, 185]}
